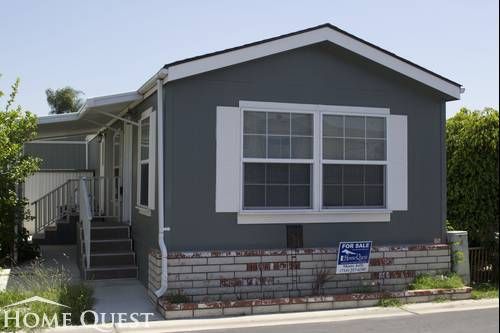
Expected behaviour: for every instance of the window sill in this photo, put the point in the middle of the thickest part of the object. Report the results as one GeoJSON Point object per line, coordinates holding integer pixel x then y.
{"type": "Point", "coordinates": [310, 216]}
{"type": "Point", "coordinates": [146, 211]}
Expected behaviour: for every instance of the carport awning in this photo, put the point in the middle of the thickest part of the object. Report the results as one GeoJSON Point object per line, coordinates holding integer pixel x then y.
{"type": "Point", "coordinates": [94, 115]}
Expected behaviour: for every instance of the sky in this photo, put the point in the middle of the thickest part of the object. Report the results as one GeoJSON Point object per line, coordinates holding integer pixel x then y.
{"type": "Point", "coordinates": [104, 47]}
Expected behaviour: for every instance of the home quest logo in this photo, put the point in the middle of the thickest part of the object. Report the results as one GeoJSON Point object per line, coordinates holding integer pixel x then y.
{"type": "Point", "coordinates": [19, 315]}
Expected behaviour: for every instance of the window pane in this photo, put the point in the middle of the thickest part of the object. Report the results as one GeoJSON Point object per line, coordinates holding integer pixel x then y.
{"type": "Point", "coordinates": [332, 174]}
{"type": "Point", "coordinates": [300, 174]}
{"type": "Point", "coordinates": [354, 149]}
{"type": "Point", "coordinates": [302, 147]}
{"type": "Point", "coordinates": [333, 126]}
{"type": "Point", "coordinates": [254, 122]}
{"type": "Point", "coordinates": [353, 185]}
{"type": "Point", "coordinates": [353, 174]}
{"type": "Point", "coordinates": [353, 195]}
{"type": "Point", "coordinates": [278, 123]}
{"type": "Point", "coordinates": [299, 196]}
{"type": "Point", "coordinates": [255, 196]}
{"type": "Point", "coordinates": [375, 149]}
{"type": "Point", "coordinates": [143, 195]}
{"type": "Point", "coordinates": [254, 146]}
{"type": "Point", "coordinates": [355, 127]}
{"type": "Point", "coordinates": [374, 195]}
{"type": "Point", "coordinates": [145, 139]}
{"type": "Point", "coordinates": [302, 124]}
{"type": "Point", "coordinates": [255, 173]}
{"type": "Point", "coordinates": [116, 155]}
{"type": "Point", "coordinates": [277, 173]}
{"type": "Point", "coordinates": [283, 185]}
{"type": "Point", "coordinates": [333, 149]}
{"type": "Point", "coordinates": [332, 195]}
{"type": "Point", "coordinates": [374, 174]}
{"type": "Point", "coordinates": [375, 127]}
{"type": "Point", "coordinates": [278, 146]}
{"type": "Point", "coordinates": [277, 196]}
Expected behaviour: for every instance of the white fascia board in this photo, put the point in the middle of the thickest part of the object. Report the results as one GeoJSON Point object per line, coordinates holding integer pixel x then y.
{"type": "Point", "coordinates": [56, 118]}
{"type": "Point", "coordinates": [89, 104]}
{"type": "Point", "coordinates": [229, 58]}
{"type": "Point", "coordinates": [113, 99]}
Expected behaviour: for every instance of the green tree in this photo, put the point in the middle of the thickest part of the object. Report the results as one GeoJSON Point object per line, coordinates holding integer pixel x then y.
{"type": "Point", "coordinates": [472, 172]}
{"type": "Point", "coordinates": [64, 100]}
{"type": "Point", "coordinates": [16, 127]}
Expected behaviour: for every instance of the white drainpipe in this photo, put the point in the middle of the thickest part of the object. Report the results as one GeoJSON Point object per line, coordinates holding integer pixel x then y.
{"type": "Point", "coordinates": [161, 186]}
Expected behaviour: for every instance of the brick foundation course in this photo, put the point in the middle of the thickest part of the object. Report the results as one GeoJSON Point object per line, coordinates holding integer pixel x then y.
{"type": "Point", "coordinates": [273, 274]}
{"type": "Point", "coordinates": [308, 303]}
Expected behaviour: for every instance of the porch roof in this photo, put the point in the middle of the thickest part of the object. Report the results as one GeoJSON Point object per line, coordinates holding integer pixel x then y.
{"type": "Point", "coordinates": [95, 114]}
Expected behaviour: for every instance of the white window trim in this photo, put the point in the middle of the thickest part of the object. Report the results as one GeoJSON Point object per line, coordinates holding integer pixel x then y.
{"type": "Point", "coordinates": [315, 214]}
{"type": "Point", "coordinates": [143, 209]}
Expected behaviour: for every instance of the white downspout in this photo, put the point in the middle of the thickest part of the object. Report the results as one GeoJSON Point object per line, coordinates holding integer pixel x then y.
{"type": "Point", "coordinates": [161, 186]}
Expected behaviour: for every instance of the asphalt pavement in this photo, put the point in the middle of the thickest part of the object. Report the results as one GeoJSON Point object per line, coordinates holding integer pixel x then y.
{"type": "Point", "coordinates": [470, 321]}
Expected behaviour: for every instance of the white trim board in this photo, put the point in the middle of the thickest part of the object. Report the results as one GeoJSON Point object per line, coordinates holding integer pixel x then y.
{"type": "Point", "coordinates": [314, 217]}
{"type": "Point", "coordinates": [301, 39]}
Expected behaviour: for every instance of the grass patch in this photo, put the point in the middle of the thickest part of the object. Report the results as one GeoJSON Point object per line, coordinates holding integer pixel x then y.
{"type": "Point", "coordinates": [54, 284]}
{"type": "Point", "coordinates": [484, 290]}
{"type": "Point", "coordinates": [426, 281]}
{"type": "Point", "coordinates": [389, 303]}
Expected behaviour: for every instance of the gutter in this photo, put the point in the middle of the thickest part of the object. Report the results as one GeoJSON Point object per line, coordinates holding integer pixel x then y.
{"type": "Point", "coordinates": [152, 81]}
{"type": "Point", "coordinates": [159, 77]}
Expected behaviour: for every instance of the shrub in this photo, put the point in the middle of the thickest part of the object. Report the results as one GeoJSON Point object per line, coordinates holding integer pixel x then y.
{"type": "Point", "coordinates": [426, 281]}
{"type": "Point", "coordinates": [472, 174]}
{"type": "Point", "coordinates": [52, 283]}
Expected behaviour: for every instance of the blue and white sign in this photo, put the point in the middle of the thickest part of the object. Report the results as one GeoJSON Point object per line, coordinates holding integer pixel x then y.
{"type": "Point", "coordinates": [353, 257]}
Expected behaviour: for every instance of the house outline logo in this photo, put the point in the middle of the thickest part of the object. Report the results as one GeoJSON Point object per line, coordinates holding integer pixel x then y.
{"type": "Point", "coordinates": [34, 299]}
{"type": "Point", "coordinates": [347, 252]}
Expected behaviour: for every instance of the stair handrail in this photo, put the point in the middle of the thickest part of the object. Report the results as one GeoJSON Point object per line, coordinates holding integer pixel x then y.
{"type": "Point", "coordinates": [85, 213]}
{"type": "Point", "coordinates": [53, 205]}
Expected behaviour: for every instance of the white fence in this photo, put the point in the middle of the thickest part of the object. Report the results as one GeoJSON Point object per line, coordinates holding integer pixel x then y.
{"type": "Point", "coordinates": [44, 182]}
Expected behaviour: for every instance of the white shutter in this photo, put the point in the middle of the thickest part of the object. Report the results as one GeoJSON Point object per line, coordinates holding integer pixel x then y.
{"type": "Point", "coordinates": [228, 156]}
{"type": "Point", "coordinates": [397, 162]}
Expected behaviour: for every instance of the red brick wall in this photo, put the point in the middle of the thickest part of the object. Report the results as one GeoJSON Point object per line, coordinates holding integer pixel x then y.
{"type": "Point", "coordinates": [249, 274]}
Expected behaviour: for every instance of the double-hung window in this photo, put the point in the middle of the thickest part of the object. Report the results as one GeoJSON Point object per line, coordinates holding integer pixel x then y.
{"type": "Point", "coordinates": [146, 160]}
{"type": "Point", "coordinates": [277, 160]}
{"type": "Point", "coordinates": [353, 161]}
{"type": "Point", "coordinates": [300, 163]}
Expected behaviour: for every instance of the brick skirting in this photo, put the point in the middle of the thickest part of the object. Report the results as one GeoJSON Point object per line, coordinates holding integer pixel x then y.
{"type": "Point", "coordinates": [308, 303]}
{"type": "Point", "coordinates": [271, 274]}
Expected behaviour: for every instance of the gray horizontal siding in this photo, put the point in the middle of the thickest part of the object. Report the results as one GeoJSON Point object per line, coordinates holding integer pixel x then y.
{"type": "Point", "coordinates": [58, 156]}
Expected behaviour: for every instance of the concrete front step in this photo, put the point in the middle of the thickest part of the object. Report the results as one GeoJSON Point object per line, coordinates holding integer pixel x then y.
{"type": "Point", "coordinates": [111, 246]}
{"type": "Point", "coordinates": [111, 259]}
{"type": "Point", "coordinates": [111, 272]}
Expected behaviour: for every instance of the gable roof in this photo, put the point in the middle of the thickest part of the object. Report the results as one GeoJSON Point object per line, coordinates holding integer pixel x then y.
{"type": "Point", "coordinates": [321, 33]}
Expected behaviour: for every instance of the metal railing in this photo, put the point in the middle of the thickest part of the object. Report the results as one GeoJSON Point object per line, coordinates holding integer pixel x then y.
{"type": "Point", "coordinates": [104, 200]}
{"type": "Point", "coordinates": [55, 205]}
{"type": "Point", "coordinates": [85, 212]}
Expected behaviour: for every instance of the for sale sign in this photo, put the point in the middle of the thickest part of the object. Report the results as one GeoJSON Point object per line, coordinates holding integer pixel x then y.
{"type": "Point", "coordinates": [353, 257]}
